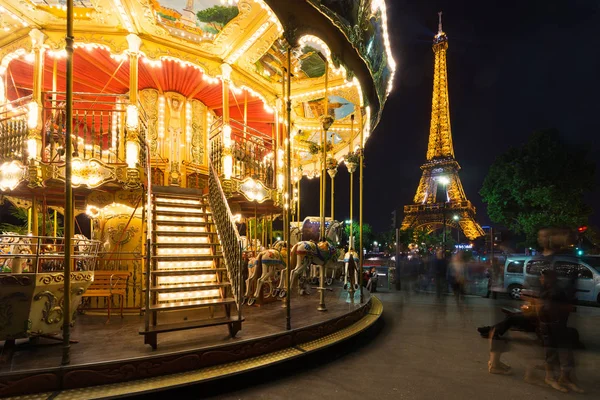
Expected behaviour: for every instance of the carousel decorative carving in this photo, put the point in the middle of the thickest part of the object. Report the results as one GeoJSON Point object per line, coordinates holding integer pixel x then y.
{"type": "Point", "coordinates": [6, 308]}
{"type": "Point", "coordinates": [149, 100]}
{"type": "Point", "coordinates": [20, 280]}
{"type": "Point", "coordinates": [121, 236]}
{"type": "Point", "coordinates": [52, 313]}
{"type": "Point", "coordinates": [198, 132]}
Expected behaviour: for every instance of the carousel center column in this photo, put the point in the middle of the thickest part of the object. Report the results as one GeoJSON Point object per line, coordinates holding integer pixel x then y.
{"type": "Point", "coordinates": [133, 140]}
{"type": "Point", "coordinates": [227, 160]}
{"type": "Point", "coordinates": [34, 114]}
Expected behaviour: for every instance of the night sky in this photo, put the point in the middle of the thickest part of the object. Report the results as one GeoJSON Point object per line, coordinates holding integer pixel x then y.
{"type": "Point", "coordinates": [514, 67]}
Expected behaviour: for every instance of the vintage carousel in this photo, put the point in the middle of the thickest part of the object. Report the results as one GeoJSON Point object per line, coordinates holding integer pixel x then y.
{"type": "Point", "coordinates": [150, 145]}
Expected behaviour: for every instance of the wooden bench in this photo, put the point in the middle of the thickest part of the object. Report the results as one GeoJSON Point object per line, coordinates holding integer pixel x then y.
{"type": "Point", "coordinates": [108, 284]}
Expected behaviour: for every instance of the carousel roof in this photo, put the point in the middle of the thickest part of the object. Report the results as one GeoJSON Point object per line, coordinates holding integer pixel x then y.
{"type": "Point", "coordinates": [185, 42]}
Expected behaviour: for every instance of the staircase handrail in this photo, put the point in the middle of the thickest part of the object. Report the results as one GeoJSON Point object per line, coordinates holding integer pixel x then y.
{"type": "Point", "coordinates": [228, 234]}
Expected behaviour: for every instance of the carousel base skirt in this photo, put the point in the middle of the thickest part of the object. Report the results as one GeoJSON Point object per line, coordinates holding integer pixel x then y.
{"type": "Point", "coordinates": [111, 359]}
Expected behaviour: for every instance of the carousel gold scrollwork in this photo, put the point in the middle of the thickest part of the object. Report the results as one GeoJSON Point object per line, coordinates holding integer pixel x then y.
{"type": "Point", "coordinates": [149, 100]}
{"type": "Point", "coordinates": [52, 312]}
{"type": "Point", "coordinates": [6, 308]}
{"type": "Point", "coordinates": [121, 236]}
{"type": "Point", "coordinates": [91, 173]}
{"type": "Point", "coordinates": [9, 280]}
{"type": "Point", "coordinates": [198, 130]}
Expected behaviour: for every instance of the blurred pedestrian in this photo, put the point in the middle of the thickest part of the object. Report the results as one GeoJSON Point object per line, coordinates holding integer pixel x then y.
{"type": "Point", "coordinates": [440, 270]}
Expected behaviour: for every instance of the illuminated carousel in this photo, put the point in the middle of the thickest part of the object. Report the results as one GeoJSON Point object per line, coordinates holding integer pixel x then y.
{"type": "Point", "coordinates": [149, 146]}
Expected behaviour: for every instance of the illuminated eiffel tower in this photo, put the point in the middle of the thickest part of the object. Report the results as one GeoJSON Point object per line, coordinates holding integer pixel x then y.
{"type": "Point", "coordinates": [440, 196]}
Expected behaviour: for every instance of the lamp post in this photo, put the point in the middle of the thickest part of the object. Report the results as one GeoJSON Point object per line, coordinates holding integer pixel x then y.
{"type": "Point", "coordinates": [457, 218]}
{"type": "Point", "coordinates": [444, 181]}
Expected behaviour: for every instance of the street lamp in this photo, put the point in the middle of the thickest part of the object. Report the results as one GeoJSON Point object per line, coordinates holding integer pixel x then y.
{"type": "Point", "coordinates": [444, 181]}
{"type": "Point", "coordinates": [457, 218]}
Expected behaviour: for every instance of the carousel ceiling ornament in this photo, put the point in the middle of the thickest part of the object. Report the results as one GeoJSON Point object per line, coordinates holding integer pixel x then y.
{"type": "Point", "coordinates": [11, 174]}
{"type": "Point", "coordinates": [254, 190]}
{"type": "Point", "coordinates": [10, 21]}
{"type": "Point", "coordinates": [91, 173]}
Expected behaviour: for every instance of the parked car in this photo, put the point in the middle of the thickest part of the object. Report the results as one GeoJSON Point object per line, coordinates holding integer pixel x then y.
{"type": "Point", "coordinates": [523, 272]}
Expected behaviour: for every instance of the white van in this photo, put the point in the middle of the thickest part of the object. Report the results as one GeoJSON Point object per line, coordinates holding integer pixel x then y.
{"type": "Point", "coordinates": [523, 272]}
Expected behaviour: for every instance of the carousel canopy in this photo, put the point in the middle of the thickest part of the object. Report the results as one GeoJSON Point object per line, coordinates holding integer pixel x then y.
{"type": "Point", "coordinates": [184, 43]}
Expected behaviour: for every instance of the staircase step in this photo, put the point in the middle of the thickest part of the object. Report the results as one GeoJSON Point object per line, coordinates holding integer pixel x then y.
{"type": "Point", "coordinates": [163, 203]}
{"type": "Point", "coordinates": [182, 223]}
{"type": "Point", "coordinates": [189, 257]}
{"type": "Point", "coordinates": [189, 271]}
{"type": "Point", "coordinates": [184, 234]}
{"type": "Point", "coordinates": [182, 213]}
{"type": "Point", "coordinates": [177, 192]}
{"type": "Point", "coordinates": [185, 245]}
{"type": "Point", "coordinates": [180, 326]}
{"type": "Point", "coordinates": [191, 304]}
{"type": "Point", "coordinates": [189, 287]}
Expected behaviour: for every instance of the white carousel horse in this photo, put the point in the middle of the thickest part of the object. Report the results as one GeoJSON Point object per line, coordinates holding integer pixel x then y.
{"type": "Point", "coordinates": [332, 234]}
{"type": "Point", "coordinates": [269, 262]}
{"type": "Point", "coordinates": [295, 234]}
{"type": "Point", "coordinates": [253, 273]}
{"type": "Point", "coordinates": [82, 247]}
{"type": "Point", "coordinates": [348, 273]}
{"type": "Point", "coordinates": [13, 243]}
{"type": "Point", "coordinates": [304, 254]}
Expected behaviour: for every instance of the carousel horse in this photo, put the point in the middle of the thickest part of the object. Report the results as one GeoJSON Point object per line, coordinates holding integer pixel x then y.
{"type": "Point", "coordinates": [351, 272]}
{"type": "Point", "coordinates": [13, 243]}
{"type": "Point", "coordinates": [269, 262]}
{"type": "Point", "coordinates": [332, 234]}
{"type": "Point", "coordinates": [82, 247]}
{"type": "Point", "coordinates": [253, 274]}
{"type": "Point", "coordinates": [304, 254]}
{"type": "Point", "coordinates": [295, 234]}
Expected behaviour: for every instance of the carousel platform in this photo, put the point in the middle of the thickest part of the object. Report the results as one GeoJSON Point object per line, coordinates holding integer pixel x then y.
{"type": "Point", "coordinates": [111, 359]}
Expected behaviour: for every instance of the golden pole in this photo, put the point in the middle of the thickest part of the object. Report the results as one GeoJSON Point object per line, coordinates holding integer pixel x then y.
{"type": "Point", "coordinates": [332, 196]}
{"type": "Point", "coordinates": [288, 185]}
{"type": "Point", "coordinates": [298, 218]}
{"type": "Point", "coordinates": [29, 219]}
{"type": "Point", "coordinates": [351, 244]}
{"type": "Point", "coordinates": [324, 155]}
{"type": "Point", "coordinates": [34, 218]}
{"type": "Point", "coordinates": [69, 217]}
{"type": "Point", "coordinates": [55, 222]}
{"type": "Point", "coordinates": [255, 231]}
{"type": "Point", "coordinates": [360, 207]}
{"type": "Point", "coordinates": [245, 113]}
{"type": "Point", "coordinates": [54, 85]}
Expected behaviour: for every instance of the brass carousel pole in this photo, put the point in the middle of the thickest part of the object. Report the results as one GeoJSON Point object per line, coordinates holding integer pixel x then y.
{"type": "Point", "coordinates": [288, 187]}
{"type": "Point", "coordinates": [351, 168]}
{"type": "Point", "coordinates": [66, 356]}
{"type": "Point", "coordinates": [327, 121]}
{"type": "Point", "coordinates": [360, 207]}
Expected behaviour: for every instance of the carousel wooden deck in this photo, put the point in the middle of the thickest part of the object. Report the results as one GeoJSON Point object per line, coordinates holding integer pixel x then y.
{"type": "Point", "coordinates": [113, 353]}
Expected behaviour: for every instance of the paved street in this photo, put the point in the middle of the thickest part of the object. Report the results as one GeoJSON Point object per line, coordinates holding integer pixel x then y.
{"type": "Point", "coordinates": [419, 350]}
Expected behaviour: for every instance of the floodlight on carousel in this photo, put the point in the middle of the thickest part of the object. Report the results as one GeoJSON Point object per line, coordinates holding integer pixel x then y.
{"type": "Point", "coordinates": [254, 190]}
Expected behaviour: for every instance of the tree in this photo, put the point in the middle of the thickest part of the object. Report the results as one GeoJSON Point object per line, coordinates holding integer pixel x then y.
{"type": "Point", "coordinates": [218, 16]}
{"type": "Point", "coordinates": [368, 236]}
{"type": "Point", "coordinates": [21, 215]}
{"type": "Point", "coordinates": [541, 183]}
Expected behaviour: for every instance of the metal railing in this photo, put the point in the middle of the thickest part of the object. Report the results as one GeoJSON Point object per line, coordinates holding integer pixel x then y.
{"type": "Point", "coordinates": [39, 254]}
{"type": "Point", "coordinates": [438, 207]}
{"type": "Point", "coordinates": [228, 234]}
{"type": "Point", "coordinates": [13, 130]}
{"type": "Point", "coordinates": [98, 126]}
{"type": "Point", "coordinates": [253, 153]}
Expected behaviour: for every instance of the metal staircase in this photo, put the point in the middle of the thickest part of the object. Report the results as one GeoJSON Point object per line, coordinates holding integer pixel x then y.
{"type": "Point", "coordinates": [187, 268]}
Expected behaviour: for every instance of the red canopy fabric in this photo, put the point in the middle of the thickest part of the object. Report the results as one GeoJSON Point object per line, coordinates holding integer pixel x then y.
{"type": "Point", "coordinates": [95, 71]}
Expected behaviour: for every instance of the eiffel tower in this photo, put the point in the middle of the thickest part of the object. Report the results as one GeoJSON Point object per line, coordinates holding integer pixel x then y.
{"type": "Point", "coordinates": [440, 196]}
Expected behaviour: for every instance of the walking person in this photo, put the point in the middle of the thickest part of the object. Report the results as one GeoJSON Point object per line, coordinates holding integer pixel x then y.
{"type": "Point", "coordinates": [440, 270]}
